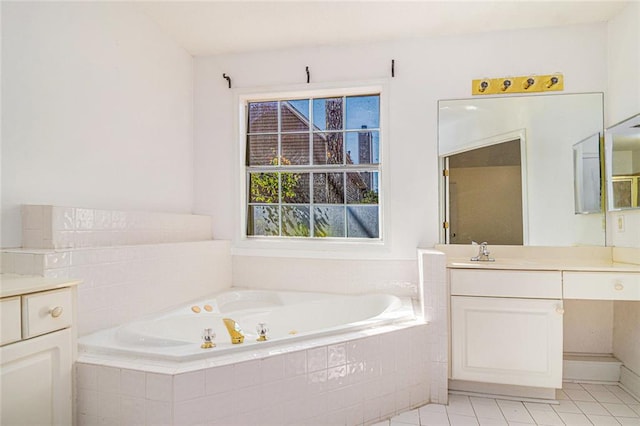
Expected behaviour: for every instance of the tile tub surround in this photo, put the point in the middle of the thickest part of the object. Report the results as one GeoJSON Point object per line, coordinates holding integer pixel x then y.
{"type": "Point", "coordinates": [126, 282]}
{"type": "Point", "coordinates": [54, 227]}
{"type": "Point", "coordinates": [364, 379]}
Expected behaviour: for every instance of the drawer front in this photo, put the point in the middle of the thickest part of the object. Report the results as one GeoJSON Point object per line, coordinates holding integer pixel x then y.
{"type": "Point", "coordinates": [503, 283]}
{"type": "Point", "coordinates": [601, 285]}
{"type": "Point", "coordinates": [10, 320]}
{"type": "Point", "coordinates": [45, 312]}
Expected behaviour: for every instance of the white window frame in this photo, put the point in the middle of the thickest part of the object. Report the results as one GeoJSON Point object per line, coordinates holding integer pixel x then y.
{"type": "Point", "coordinates": [310, 246]}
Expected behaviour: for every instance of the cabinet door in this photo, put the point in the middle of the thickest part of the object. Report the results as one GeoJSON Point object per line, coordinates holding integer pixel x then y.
{"type": "Point", "coordinates": [35, 382]}
{"type": "Point", "coordinates": [508, 341]}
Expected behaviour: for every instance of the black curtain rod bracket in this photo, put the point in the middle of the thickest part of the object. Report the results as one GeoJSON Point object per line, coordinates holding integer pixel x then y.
{"type": "Point", "coordinates": [226, 77]}
{"type": "Point", "coordinates": [308, 78]}
{"type": "Point", "coordinates": [393, 68]}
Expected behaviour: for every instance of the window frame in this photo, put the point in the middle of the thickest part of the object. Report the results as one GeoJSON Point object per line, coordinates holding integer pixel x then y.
{"type": "Point", "coordinates": [326, 244]}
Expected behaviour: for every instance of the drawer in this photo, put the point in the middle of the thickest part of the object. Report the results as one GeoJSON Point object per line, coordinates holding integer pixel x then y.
{"type": "Point", "coordinates": [10, 320]}
{"type": "Point", "coordinates": [506, 283]}
{"type": "Point", "coordinates": [45, 312]}
{"type": "Point", "coordinates": [601, 285]}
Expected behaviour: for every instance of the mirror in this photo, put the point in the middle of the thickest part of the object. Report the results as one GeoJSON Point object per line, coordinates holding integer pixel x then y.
{"type": "Point", "coordinates": [622, 145]}
{"type": "Point", "coordinates": [547, 128]}
{"type": "Point", "coordinates": [587, 180]}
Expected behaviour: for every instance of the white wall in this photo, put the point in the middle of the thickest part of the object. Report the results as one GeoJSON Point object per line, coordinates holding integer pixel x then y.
{"type": "Point", "coordinates": [97, 111]}
{"type": "Point", "coordinates": [426, 70]}
{"type": "Point", "coordinates": [623, 101]}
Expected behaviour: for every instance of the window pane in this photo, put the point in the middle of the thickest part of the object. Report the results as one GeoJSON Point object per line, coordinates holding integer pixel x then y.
{"type": "Point", "coordinates": [327, 114]}
{"type": "Point", "coordinates": [295, 221]}
{"type": "Point", "coordinates": [263, 117]}
{"type": "Point", "coordinates": [295, 115]}
{"type": "Point", "coordinates": [262, 220]}
{"type": "Point", "coordinates": [362, 221]}
{"type": "Point", "coordinates": [363, 147]}
{"type": "Point", "coordinates": [362, 188]}
{"type": "Point", "coordinates": [327, 148]}
{"type": "Point", "coordinates": [328, 221]}
{"type": "Point", "coordinates": [263, 187]}
{"type": "Point", "coordinates": [295, 188]}
{"type": "Point", "coordinates": [363, 112]}
{"type": "Point", "coordinates": [295, 149]}
{"type": "Point", "coordinates": [262, 150]}
{"type": "Point", "coordinates": [328, 188]}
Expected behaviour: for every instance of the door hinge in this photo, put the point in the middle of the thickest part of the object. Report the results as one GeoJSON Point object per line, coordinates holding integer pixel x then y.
{"type": "Point", "coordinates": [445, 225]}
{"type": "Point", "coordinates": [445, 172]}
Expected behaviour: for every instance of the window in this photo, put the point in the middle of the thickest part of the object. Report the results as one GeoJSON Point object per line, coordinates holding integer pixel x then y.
{"type": "Point", "coordinates": [313, 167]}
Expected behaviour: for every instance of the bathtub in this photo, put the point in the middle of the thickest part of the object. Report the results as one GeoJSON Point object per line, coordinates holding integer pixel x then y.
{"type": "Point", "coordinates": [293, 319]}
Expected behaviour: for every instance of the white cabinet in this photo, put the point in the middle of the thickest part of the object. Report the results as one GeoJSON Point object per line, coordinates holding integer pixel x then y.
{"type": "Point", "coordinates": [513, 337]}
{"type": "Point", "coordinates": [507, 341]}
{"type": "Point", "coordinates": [36, 357]}
{"type": "Point", "coordinates": [601, 285]}
{"type": "Point", "coordinates": [36, 381]}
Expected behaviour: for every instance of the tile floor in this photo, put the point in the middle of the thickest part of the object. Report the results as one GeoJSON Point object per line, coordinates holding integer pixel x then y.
{"type": "Point", "coordinates": [580, 404]}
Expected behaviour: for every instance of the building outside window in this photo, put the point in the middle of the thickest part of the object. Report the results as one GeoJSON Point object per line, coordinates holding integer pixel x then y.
{"type": "Point", "coordinates": [313, 167]}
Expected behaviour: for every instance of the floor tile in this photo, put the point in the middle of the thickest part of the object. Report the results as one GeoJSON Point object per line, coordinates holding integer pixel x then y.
{"type": "Point", "coordinates": [433, 408]}
{"type": "Point", "coordinates": [536, 406]}
{"type": "Point", "coordinates": [588, 407]}
{"type": "Point", "coordinates": [593, 387]}
{"type": "Point", "coordinates": [619, 410]}
{"type": "Point", "coordinates": [572, 419]}
{"type": "Point", "coordinates": [569, 385]}
{"type": "Point", "coordinates": [432, 418]}
{"type": "Point", "coordinates": [546, 418]}
{"type": "Point", "coordinates": [460, 404]}
{"type": "Point", "coordinates": [383, 423]}
{"type": "Point", "coordinates": [628, 421]}
{"type": "Point", "coordinates": [408, 417]}
{"type": "Point", "coordinates": [635, 407]}
{"type": "Point", "coordinates": [492, 422]}
{"type": "Point", "coordinates": [486, 408]}
{"type": "Point", "coordinates": [566, 406]}
{"type": "Point", "coordinates": [514, 411]}
{"type": "Point", "coordinates": [579, 395]}
{"type": "Point", "coordinates": [603, 420]}
{"type": "Point", "coordinates": [605, 396]}
{"type": "Point", "coordinates": [561, 395]}
{"type": "Point", "coordinates": [460, 420]}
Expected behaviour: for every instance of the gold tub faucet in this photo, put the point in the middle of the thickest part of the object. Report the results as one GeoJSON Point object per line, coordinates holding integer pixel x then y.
{"type": "Point", "coordinates": [234, 330]}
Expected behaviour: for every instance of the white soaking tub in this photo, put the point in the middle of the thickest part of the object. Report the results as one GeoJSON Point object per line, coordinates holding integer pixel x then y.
{"type": "Point", "coordinates": [291, 317]}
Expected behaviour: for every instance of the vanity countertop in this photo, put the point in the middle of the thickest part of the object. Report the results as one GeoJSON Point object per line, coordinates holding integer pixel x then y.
{"type": "Point", "coordinates": [584, 265]}
{"type": "Point", "coordinates": [13, 285]}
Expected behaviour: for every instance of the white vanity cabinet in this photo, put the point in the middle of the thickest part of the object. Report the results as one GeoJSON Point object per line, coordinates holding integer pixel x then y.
{"type": "Point", "coordinates": [506, 327]}
{"type": "Point", "coordinates": [36, 356]}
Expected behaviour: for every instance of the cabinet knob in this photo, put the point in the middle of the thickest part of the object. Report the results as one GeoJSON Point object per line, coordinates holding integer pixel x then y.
{"type": "Point", "coordinates": [560, 310]}
{"type": "Point", "coordinates": [618, 286]}
{"type": "Point", "coordinates": [56, 312]}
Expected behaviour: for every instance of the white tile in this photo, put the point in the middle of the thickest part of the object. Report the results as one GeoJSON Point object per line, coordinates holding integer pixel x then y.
{"type": "Point", "coordinates": [87, 403]}
{"type": "Point", "coordinates": [536, 406]}
{"type": "Point", "coordinates": [295, 363]}
{"type": "Point", "coordinates": [433, 418]}
{"type": "Point", "coordinates": [492, 422]}
{"type": "Point", "coordinates": [411, 417]}
{"type": "Point", "coordinates": [588, 407]}
{"type": "Point", "coordinates": [460, 420]}
{"type": "Point", "coordinates": [574, 419]}
{"type": "Point", "coordinates": [188, 385]}
{"type": "Point", "coordinates": [433, 408]}
{"type": "Point", "coordinates": [133, 411]}
{"type": "Point", "coordinates": [86, 376]}
{"type": "Point", "coordinates": [133, 383]}
{"type": "Point", "coordinates": [578, 395]}
{"type": "Point", "coordinates": [382, 423]}
{"type": "Point", "coordinates": [514, 411]}
{"type": "Point", "coordinates": [32, 217]}
{"type": "Point", "coordinates": [460, 404]}
{"type": "Point", "coordinates": [599, 420]}
{"type": "Point", "coordinates": [593, 387]}
{"type": "Point", "coordinates": [619, 410]}
{"type": "Point", "coordinates": [635, 407]}
{"type": "Point", "coordinates": [108, 379]}
{"type": "Point", "coordinates": [336, 355]}
{"type": "Point", "coordinates": [569, 385]}
{"type": "Point", "coordinates": [159, 387]}
{"type": "Point", "coordinates": [108, 406]}
{"type": "Point", "coordinates": [566, 406]}
{"type": "Point", "coordinates": [547, 418]}
{"type": "Point", "coordinates": [628, 421]}
{"type": "Point", "coordinates": [486, 408]}
{"type": "Point", "coordinates": [605, 396]}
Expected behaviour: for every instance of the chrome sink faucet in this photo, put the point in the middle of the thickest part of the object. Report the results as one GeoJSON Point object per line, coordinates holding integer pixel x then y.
{"type": "Point", "coordinates": [483, 253]}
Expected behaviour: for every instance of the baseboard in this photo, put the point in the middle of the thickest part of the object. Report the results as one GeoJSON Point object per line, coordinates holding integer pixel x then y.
{"type": "Point", "coordinates": [590, 367]}
{"type": "Point", "coordinates": [630, 381]}
{"type": "Point", "coordinates": [494, 390]}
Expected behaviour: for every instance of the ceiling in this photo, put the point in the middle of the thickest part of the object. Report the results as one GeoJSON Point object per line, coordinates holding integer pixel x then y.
{"type": "Point", "coordinates": [216, 27]}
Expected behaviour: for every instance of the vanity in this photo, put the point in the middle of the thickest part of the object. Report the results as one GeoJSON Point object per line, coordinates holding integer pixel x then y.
{"type": "Point", "coordinates": [37, 349]}
{"type": "Point", "coordinates": [507, 316]}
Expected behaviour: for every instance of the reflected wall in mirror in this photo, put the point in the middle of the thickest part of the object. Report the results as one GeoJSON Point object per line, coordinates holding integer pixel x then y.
{"type": "Point", "coordinates": [548, 127]}
{"type": "Point", "coordinates": [622, 145]}
{"type": "Point", "coordinates": [587, 179]}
